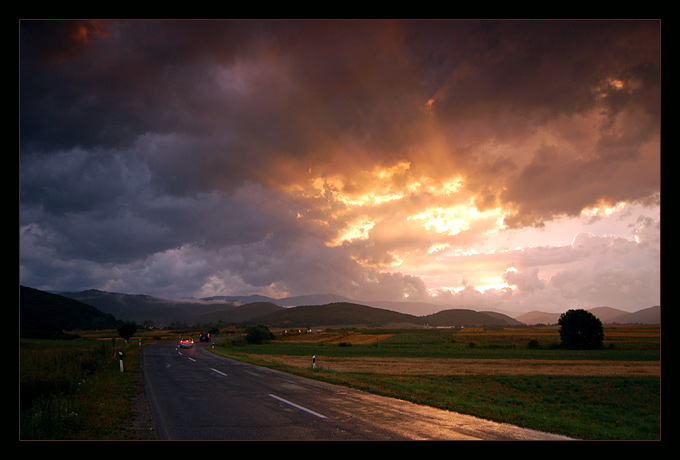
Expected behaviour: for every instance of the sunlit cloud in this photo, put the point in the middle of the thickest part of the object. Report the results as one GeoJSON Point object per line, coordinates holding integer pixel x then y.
{"type": "Point", "coordinates": [602, 210]}
{"type": "Point", "coordinates": [490, 164]}
{"type": "Point", "coordinates": [355, 230]}
{"type": "Point", "coordinates": [438, 247]}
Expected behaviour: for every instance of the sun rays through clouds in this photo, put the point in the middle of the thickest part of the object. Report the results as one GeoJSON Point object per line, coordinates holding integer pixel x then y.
{"type": "Point", "coordinates": [504, 164]}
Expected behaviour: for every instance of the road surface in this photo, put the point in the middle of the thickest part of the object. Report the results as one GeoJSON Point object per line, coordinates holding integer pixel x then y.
{"type": "Point", "coordinates": [197, 395]}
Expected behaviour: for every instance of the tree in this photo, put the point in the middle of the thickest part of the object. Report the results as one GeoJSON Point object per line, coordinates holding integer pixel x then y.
{"type": "Point", "coordinates": [580, 330]}
{"type": "Point", "coordinates": [258, 334]}
{"type": "Point", "coordinates": [127, 330]}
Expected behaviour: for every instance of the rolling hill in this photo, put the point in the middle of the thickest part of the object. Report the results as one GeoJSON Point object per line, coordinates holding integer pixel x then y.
{"type": "Point", "coordinates": [607, 315]}
{"type": "Point", "coordinates": [239, 314]}
{"type": "Point", "coordinates": [162, 312]}
{"type": "Point", "coordinates": [337, 314]}
{"type": "Point", "coordinates": [238, 309]}
{"type": "Point", "coordinates": [650, 315]}
{"type": "Point", "coordinates": [340, 312]}
{"type": "Point", "coordinates": [470, 318]}
{"type": "Point", "coordinates": [41, 312]}
{"type": "Point", "coordinates": [140, 308]}
{"type": "Point", "coordinates": [348, 314]}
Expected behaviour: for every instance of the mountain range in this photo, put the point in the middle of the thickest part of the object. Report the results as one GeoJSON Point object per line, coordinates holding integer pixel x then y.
{"type": "Point", "coordinates": [607, 315]}
{"type": "Point", "coordinates": [304, 311]}
{"type": "Point", "coordinates": [318, 310]}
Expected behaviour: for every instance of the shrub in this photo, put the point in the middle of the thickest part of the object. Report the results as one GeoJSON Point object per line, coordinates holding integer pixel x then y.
{"type": "Point", "coordinates": [127, 330]}
{"type": "Point", "coordinates": [533, 345]}
{"type": "Point", "coordinates": [258, 334]}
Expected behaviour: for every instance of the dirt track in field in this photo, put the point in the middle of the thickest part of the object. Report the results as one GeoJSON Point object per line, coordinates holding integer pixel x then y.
{"type": "Point", "coordinates": [446, 366]}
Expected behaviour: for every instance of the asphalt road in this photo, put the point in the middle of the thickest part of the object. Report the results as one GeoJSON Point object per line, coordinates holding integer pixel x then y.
{"type": "Point", "coordinates": [197, 395]}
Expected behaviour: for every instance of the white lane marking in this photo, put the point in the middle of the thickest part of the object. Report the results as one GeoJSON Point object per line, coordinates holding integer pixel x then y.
{"type": "Point", "coordinates": [299, 407]}
{"type": "Point", "coordinates": [191, 359]}
{"type": "Point", "coordinates": [215, 370]}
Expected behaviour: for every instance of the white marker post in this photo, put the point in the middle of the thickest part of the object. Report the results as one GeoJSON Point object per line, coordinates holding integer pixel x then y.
{"type": "Point", "coordinates": [120, 360]}
{"type": "Point", "coordinates": [314, 362]}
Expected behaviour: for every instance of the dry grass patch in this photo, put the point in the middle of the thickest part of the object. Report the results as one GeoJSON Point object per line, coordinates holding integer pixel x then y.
{"type": "Point", "coordinates": [612, 333]}
{"type": "Point", "coordinates": [451, 366]}
{"type": "Point", "coordinates": [333, 338]}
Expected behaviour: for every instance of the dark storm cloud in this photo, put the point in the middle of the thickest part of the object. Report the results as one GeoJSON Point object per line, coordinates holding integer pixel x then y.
{"type": "Point", "coordinates": [271, 93]}
{"type": "Point", "coordinates": [103, 84]}
{"type": "Point", "coordinates": [191, 153]}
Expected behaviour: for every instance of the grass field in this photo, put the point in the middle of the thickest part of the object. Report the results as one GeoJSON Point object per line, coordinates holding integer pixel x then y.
{"type": "Point", "coordinates": [607, 394]}
{"type": "Point", "coordinates": [75, 390]}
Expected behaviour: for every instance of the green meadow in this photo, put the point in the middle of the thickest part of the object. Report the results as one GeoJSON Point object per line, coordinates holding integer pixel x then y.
{"type": "Point", "coordinates": [619, 404]}
{"type": "Point", "coordinates": [73, 389]}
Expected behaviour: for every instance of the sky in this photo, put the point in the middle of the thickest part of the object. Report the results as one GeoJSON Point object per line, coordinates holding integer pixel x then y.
{"type": "Point", "coordinates": [503, 164]}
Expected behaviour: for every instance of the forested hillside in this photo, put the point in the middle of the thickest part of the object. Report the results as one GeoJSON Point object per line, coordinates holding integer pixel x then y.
{"type": "Point", "coordinates": [42, 313]}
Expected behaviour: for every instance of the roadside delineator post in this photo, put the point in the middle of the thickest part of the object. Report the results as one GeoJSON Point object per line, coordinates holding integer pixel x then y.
{"type": "Point", "coordinates": [314, 362]}
{"type": "Point", "coordinates": [120, 360]}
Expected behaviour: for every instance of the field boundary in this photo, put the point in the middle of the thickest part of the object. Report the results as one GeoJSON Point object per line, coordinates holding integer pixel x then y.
{"type": "Point", "coordinates": [456, 366]}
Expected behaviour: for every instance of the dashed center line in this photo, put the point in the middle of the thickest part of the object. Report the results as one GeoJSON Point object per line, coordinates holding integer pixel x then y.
{"type": "Point", "coordinates": [309, 411]}
{"type": "Point", "coordinates": [299, 407]}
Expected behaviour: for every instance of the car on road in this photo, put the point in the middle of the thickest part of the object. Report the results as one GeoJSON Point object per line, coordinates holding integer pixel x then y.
{"type": "Point", "coordinates": [186, 342]}
{"type": "Point", "coordinates": [205, 337]}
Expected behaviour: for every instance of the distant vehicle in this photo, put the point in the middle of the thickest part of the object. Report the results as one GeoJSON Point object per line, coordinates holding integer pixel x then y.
{"type": "Point", "coordinates": [186, 342]}
{"type": "Point", "coordinates": [205, 337]}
